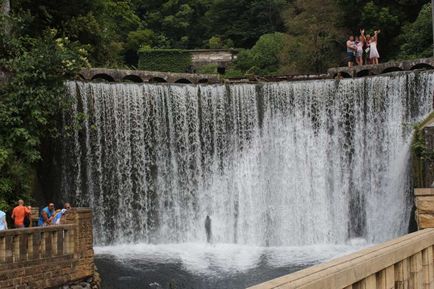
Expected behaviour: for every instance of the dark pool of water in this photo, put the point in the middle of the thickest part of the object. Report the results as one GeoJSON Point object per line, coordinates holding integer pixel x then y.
{"type": "Point", "coordinates": [144, 275]}
{"type": "Point", "coordinates": [198, 266]}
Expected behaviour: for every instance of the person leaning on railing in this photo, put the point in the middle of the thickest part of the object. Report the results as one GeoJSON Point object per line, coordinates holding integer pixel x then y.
{"type": "Point", "coordinates": [47, 215]}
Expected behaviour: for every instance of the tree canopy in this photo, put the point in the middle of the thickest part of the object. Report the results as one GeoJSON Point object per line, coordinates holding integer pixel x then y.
{"type": "Point", "coordinates": [112, 31]}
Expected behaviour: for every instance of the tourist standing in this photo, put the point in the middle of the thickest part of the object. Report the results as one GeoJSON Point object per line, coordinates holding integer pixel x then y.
{"type": "Point", "coordinates": [374, 55]}
{"type": "Point", "coordinates": [360, 42]}
{"type": "Point", "coordinates": [367, 49]}
{"type": "Point", "coordinates": [19, 213]}
{"type": "Point", "coordinates": [3, 223]}
{"type": "Point", "coordinates": [47, 215]}
{"type": "Point", "coordinates": [351, 50]}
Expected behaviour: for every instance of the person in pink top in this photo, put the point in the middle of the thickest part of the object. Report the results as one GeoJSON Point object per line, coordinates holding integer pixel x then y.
{"type": "Point", "coordinates": [360, 42]}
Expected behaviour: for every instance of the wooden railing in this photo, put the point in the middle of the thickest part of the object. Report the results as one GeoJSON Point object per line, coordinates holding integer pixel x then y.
{"type": "Point", "coordinates": [405, 262]}
{"type": "Point", "coordinates": [36, 243]}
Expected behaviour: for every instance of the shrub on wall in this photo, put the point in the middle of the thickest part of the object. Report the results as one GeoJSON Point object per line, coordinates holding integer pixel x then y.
{"type": "Point", "coordinates": [167, 60]}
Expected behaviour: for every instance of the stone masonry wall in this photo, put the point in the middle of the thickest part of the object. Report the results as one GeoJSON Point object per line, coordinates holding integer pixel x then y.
{"type": "Point", "coordinates": [48, 257]}
{"type": "Point", "coordinates": [423, 169]}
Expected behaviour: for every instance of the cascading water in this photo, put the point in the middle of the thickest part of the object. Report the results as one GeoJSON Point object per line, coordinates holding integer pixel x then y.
{"type": "Point", "coordinates": [276, 164]}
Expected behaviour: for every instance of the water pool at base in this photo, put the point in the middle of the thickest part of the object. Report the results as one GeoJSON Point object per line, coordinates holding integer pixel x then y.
{"type": "Point", "coordinates": [206, 266]}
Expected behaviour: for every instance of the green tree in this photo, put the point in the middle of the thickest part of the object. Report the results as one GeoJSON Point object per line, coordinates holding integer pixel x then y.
{"type": "Point", "coordinates": [416, 39]}
{"type": "Point", "coordinates": [215, 42]}
{"type": "Point", "coordinates": [316, 36]}
{"type": "Point", "coordinates": [245, 21]}
{"type": "Point", "coordinates": [179, 24]}
{"type": "Point", "coordinates": [138, 39]}
{"type": "Point", "coordinates": [101, 26]}
{"type": "Point", "coordinates": [31, 100]}
{"type": "Point", "coordinates": [265, 56]}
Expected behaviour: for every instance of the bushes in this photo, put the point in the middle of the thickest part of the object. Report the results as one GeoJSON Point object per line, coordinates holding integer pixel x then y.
{"type": "Point", "coordinates": [167, 60]}
{"type": "Point", "coordinates": [264, 57]}
{"type": "Point", "coordinates": [416, 38]}
{"type": "Point", "coordinates": [208, 69]}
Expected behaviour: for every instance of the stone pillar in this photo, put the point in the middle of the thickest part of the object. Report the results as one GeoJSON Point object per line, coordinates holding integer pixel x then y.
{"type": "Point", "coordinates": [83, 240]}
{"type": "Point", "coordinates": [424, 199]}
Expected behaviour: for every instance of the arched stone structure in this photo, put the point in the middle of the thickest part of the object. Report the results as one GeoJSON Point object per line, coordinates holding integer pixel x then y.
{"type": "Point", "coordinates": [120, 75]}
{"type": "Point", "coordinates": [422, 66]}
{"type": "Point", "coordinates": [391, 69]}
{"type": "Point", "coordinates": [183, 80]}
{"type": "Point", "coordinates": [364, 70]}
{"type": "Point", "coordinates": [157, 80]}
{"type": "Point", "coordinates": [203, 80]}
{"type": "Point", "coordinates": [80, 77]}
{"type": "Point", "coordinates": [103, 76]}
{"type": "Point", "coordinates": [132, 78]}
{"type": "Point", "coordinates": [361, 73]}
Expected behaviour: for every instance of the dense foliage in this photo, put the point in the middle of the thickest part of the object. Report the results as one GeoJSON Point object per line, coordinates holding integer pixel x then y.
{"type": "Point", "coordinates": [112, 31]}
{"type": "Point", "coordinates": [31, 100]}
{"type": "Point", "coordinates": [172, 60]}
{"type": "Point", "coordinates": [416, 38]}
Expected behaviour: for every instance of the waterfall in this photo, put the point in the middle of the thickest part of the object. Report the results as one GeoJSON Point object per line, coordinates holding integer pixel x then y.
{"type": "Point", "coordinates": [274, 164]}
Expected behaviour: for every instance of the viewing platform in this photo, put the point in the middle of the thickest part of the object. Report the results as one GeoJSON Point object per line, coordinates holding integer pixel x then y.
{"type": "Point", "coordinates": [405, 262]}
{"type": "Point", "coordinates": [139, 76]}
{"type": "Point", "coordinates": [47, 257]}
{"type": "Point", "coordinates": [376, 69]}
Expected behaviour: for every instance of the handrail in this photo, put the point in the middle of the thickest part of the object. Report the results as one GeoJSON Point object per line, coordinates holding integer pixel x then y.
{"type": "Point", "coordinates": [28, 244]}
{"type": "Point", "coordinates": [408, 259]}
{"type": "Point", "coordinates": [31, 230]}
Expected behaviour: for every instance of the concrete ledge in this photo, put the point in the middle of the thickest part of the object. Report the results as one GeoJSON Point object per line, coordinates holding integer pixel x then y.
{"type": "Point", "coordinates": [368, 266]}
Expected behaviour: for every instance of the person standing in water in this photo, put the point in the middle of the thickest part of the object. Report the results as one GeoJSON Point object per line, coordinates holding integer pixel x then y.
{"type": "Point", "coordinates": [208, 229]}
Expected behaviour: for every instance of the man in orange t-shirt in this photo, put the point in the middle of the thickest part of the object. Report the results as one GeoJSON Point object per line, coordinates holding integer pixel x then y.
{"type": "Point", "coordinates": [19, 213]}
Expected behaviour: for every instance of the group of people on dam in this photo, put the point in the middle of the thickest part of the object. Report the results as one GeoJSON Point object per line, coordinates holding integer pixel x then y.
{"type": "Point", "coordinates": [21, 216]}
{"type": "Point", "coordinates": [362, 49]}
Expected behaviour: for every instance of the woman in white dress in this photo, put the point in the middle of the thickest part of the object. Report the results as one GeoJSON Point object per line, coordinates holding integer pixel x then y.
{"type": "Point", "coordinates": [373, 52]}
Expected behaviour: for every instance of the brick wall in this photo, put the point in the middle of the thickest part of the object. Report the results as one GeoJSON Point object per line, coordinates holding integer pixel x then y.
{"type": "Point", "coordinates": [46, 257]}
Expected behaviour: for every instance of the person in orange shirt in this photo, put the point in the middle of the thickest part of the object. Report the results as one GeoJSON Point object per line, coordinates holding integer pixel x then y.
{"type": "Point", "coordinates": [19, 213]}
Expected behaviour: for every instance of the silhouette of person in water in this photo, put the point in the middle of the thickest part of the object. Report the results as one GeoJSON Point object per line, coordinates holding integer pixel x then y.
{"type": "Point", "coordinates": [208, 229]}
